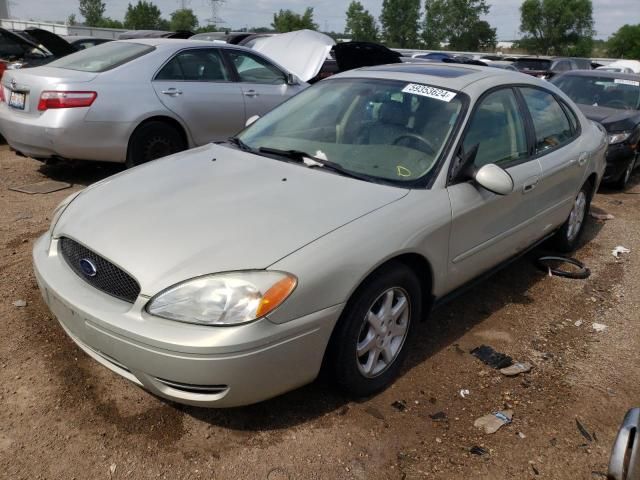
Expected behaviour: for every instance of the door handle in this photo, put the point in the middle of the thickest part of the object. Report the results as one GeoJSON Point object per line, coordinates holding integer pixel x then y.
{"type": "Point", "coordinates": [172, 92]}
{"type": "Point", "coordinates": [582, 159]}
{"type": "Point", "coordinates": [251, 93]}
{"type": "Point", "coordinates": [529, 186]}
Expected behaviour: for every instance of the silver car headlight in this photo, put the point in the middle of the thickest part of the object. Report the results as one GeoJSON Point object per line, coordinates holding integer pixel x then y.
{"type": "Point", "coordinates": [59, 210]}
{"type": "Point", "coordinates": [618, 137]}
{"type": "Point", "coordinates": [224, 298]}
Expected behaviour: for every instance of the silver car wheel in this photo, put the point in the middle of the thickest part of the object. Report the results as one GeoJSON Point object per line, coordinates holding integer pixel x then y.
{"type": "Point", "coordinates": [383, 332]}
{"type": "Point", "coordinates": [576, 217]}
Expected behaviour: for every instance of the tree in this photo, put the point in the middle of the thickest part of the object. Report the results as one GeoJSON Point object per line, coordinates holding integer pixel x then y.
{"type": "Point", "coordinates": [143, 16]}
{"type": "Point", "coordinates": [92, 11]}
{"type": "Point", "coordinates": [625, 43]}
{"type": "Point", "coordinates": [71, 20]}
{"type": "Point", "coordinates": [288, 21]}
{"type": "Point", "coordinates": [458, 23]}
{"type": "Point", "coordinates": [560, 27]}
{"type": "Point", "coordinates": [360, 26]}
{"type": "Point", "coordinates": [400, 19]}
{"type": "Point", "coordinates": [184, 19]}
{"type": "Point", "coordinates": [107, 22]}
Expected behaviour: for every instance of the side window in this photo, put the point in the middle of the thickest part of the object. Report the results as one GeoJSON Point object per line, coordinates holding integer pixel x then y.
{"type": "Point", "coordinates": [253, 69]}
{"type": "Point", "coordinates": [562, 66]}
{"type": "Point", "coordinates": [195, 66]}
{"type": "Point", "coordinates": [498, 130]}
{"type": "Point", "coordinates": [573, 119]}
{"type": "Point", "coordinates": [552, 127]}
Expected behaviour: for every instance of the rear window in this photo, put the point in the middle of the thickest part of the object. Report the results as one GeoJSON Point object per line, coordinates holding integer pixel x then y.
{"type": "Point", "coordinates": [102, 57]}
{"type": "Point", "coordinates": [532, 64]}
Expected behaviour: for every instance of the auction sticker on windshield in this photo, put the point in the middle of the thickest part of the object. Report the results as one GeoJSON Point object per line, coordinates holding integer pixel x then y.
{"type": "Point", "coordinates": [431, 92]}
{"type": "Point", "coordinates": [627, 82]}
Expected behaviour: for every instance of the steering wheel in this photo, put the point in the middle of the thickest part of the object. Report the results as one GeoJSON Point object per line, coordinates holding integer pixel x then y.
{"type": "Point", "coordinates": [619, 103]}
{"type": "Point", "coordinates": [418, 138]}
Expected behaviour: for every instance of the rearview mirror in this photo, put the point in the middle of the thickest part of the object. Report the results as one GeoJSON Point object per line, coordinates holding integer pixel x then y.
{"type": "Point", "coordinates": [250, 120]}
{"type": "Point", "coordinates": [494, 179]}
{"type": "Point", "coordinates": [292, 79]}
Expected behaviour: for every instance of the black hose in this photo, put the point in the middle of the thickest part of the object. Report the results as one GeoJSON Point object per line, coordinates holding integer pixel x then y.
{"type": "Point", "coordinates": [582, 272]}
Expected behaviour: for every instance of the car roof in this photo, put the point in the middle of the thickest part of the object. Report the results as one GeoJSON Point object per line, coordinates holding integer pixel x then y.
{"type": "Point", "coordinates": [452, 76]}
{"type": "Point", "coordinates": [179, 42]}
{"type": "Point", "coordinates": [602, 74]}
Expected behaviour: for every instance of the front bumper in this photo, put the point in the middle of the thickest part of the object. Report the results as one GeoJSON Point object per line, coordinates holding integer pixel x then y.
{"type": "Point", "coordinates": [190, 364]}
{"type": "Point", "coordinates": [64, 133]}
{"type": "Point", "coordinates": [618, 157]}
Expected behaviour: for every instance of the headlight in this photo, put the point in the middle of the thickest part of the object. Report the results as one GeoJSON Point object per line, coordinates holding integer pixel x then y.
{"type": "Point", "coordinates": [618, 137]}
{"type": "Point", "coordinates": [59, 210]}
{"type": "Point", "coordinates": [224, 298]}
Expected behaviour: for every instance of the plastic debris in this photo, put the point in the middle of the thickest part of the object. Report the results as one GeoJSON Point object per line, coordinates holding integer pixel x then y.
{"type": "Point", "coordinates": [583, 431]}
{"type": "Point", "coordinates": [619, 250]}
{"type": "Point", "coordinates": [20, 303]}
{"type": "Point", "coordinates": [492, 358]}
{"type": "Point", "coordinates": [492, 422]}
{"type": "Point", "coordinates": [599, 327]}
{"type": "Point", "coordinates": [476, 450]}
{"type": "Point", "coordinates": [399, 405]}
{"type": "Point", "coordinates": [577, 323]}
{"type": "Point", "coordinates": [601, 216]}
{"type": "Point", "coordinates": [464, 393]}
{"type": "Point", "coordinates": [112, 469]}
{"type": "Point", "coordinates": [521, 435]}
{"type": "Point", "coordinates": [438, 416]}
{"type": "Point", "coordinates": [516, 369]}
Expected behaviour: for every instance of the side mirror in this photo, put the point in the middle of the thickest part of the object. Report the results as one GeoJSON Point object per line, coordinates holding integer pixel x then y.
{"type": "Point", "coordinates": [292, 79]}
{"type": "Point", "coordinates": [250, 120]}
{"type": "Point", "coordinates": [494, 179]}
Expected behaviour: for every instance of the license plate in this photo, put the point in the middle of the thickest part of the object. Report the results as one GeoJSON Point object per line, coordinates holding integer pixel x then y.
{"type": "Point", "coordinates": [17, 100]}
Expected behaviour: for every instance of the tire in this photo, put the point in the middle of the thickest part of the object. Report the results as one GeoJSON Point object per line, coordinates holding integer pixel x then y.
{"type": "Point", "coordinates": [153, 140]}
{"type": "Point", "coordinates": [567, 238]}
{"type": "Point", "coordinates": [622, 182]}
{"type": "Point", "coordinates": [373, 370]}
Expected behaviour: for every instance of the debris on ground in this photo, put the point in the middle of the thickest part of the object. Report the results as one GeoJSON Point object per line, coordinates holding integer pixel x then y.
{"type": "Point", "coordinates": [374, 412]}
{"type": "Point", "coordinates": [600, 214]}
{"type": "Point", "coordinates": [577, 323]}
{"type": "Point", "coordinates": [548, 264]}
{"type": "Point", "coordinates": [438, 416]}
{"type": "Point", "coordinates": [492, 422]}
{"type": "Point", "coordinates": [400, 405]}
{"type": "Point", "coordinates": [112, 469]}
{"type": "Point", "coordinates": [619, 250]}
{"type": "Point", "coordinates": [583, 431]}
{"type": "Point", "coordinates": [599, 327]}
{"type": "Point", "coordinates": [516, 369]}
{"type": "Point", "coordinates": [491, 357]}
{"type": "Point", "coordinates": [45, 186]}
{"type": "Point", "coordinates": [20, 303]}
{"type": "Point", "coordinates": [476, 450]}
{"type": "Point", "coordinates": [464, 393]}
{"type": "Point", "coordinates": [521, 435]}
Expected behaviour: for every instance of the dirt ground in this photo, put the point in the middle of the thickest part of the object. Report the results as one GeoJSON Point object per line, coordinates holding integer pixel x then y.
{"type": "Point", "coordinates": [63, 416]}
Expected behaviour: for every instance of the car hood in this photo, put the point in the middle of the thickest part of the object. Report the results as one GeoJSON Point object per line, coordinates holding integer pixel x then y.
{"type": "Point", "coordinates": [301, 52]}
{"type": "Point", "coordinates": [52, 42]}
{"type": "Point", "coordinates": [213, 209]}
{"type": "Point", "coordinates": [350, 55]}
{"type": "Point", "coordinates": [612, 119]}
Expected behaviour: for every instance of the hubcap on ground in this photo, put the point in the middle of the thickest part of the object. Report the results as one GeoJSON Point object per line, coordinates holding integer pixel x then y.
{"type": "Point", "coordinates": [383, 332]}
{"type": "Point", "coordinates": [576, 218]}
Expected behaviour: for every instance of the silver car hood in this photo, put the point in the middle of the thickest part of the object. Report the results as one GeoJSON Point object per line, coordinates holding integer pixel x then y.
{"type": "Point", "coordinates": [213, 209]}
{"type": "Point", "coordinates": [301, 52]}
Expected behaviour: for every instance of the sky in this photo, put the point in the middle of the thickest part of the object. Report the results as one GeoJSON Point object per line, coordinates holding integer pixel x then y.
{"type": "Point", "coordinates": [609, 15]}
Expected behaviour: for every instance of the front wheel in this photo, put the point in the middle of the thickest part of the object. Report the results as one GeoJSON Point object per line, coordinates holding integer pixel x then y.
{"type": "Point", "coordinates": [567, 238]}
{"type": "Point", "coordinates": [622, 182]}
{"type": "Point", "coordinates": [370, 341]}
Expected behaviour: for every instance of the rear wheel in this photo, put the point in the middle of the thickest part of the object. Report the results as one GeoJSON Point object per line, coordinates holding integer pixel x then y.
{"type": "Point", "coordinates": [567, 238]}
{"type": "Point", "coordinates": [370, 341]}
{"type": "Point", "coordinates": [153, 140]}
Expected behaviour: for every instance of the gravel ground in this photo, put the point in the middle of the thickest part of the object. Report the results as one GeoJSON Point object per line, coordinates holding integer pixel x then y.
{"type": "Point", "coordinates": [63, 416]}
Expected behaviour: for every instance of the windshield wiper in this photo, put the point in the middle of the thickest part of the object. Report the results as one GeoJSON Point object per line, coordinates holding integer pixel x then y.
{"type": "Point", "coordinates": [299, 156]}
{"type": "Point", "coordinates": [240, 144]}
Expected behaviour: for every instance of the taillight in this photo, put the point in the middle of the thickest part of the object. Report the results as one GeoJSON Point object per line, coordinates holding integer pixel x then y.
{"type": "Point", "coordinates": [56, 99]}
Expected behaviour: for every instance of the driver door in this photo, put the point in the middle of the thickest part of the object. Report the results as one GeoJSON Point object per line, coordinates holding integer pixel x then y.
{"type": "Point", "coordinates": [487, 228]}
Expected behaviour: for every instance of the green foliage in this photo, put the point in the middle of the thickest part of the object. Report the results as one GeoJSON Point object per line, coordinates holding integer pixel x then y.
{"type": "Point", "coordinates": [92, 11]}
{"type": "Point", "coordinates": [625, 43]}
{"type": "Point", "coordinates": [400, 22]}
{"type": "Point", "coordinates": [261, 30]}
{"type": "Point", "coordinates": [144, 16]}
{"type": "Point", "coordinates": [107, 22]}
{"type": "Point", "coordinates": [184, 19]}
{"type": "Point", "coordinates": [288, 21]}
{"type": "Point", "coordinates": [71, 20]}
{"type": "Point", "coordinates": [558, 27]}
{"type": "Point", "coordinates": [360, 26]}
{"type": "Point", "coordinates": [458, 23]}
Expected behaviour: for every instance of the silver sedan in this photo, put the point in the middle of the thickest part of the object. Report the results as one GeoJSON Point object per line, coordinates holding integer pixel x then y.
{"type": "Point", "coordinates": [134, 101]}
{"type": "Point", "coordinates": [322, 234]}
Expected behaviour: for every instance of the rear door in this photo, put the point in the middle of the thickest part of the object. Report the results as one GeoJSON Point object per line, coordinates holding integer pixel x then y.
{"type": "Point", "coordinates": [197, 86]}
{"type": "Point", "coordinates": [263, 85]}
{"type": "Point", "coordinates": [562, 160]}
{"type": "Point", "coordinates": [488, 228]}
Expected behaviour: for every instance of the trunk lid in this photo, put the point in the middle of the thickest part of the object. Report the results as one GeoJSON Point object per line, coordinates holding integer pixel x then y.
{"type": "Point", "coordinates": [52, 42]}
{"type": "Point", "coordinates": [350, 55]}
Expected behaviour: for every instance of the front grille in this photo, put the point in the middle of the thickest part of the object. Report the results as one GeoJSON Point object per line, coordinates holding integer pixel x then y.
{"type": "Point", "coordinates": [107, 277]}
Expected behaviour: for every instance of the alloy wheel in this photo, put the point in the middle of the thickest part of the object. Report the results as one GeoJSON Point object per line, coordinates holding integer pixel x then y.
{"type": "Point", "coordinates": [576, 218]}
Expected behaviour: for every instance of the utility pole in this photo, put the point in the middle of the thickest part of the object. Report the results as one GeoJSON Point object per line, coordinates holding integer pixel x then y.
{"type": "Point", "coordinates": [4, 9]}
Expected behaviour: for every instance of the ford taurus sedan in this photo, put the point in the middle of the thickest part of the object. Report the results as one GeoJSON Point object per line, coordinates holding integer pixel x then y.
{"type": "Point", "coordinates": [323, 233]}
{"type": "Point", "coordinates": [137, 100]}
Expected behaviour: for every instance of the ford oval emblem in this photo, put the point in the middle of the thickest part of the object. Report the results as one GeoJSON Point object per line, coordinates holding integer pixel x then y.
{"type": "Point", "coordinates": [88, 267]}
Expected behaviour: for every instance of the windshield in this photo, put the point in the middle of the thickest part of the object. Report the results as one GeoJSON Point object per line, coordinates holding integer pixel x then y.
{"type": "Point", "coordinates": [609, 92]}
{"type": "Point", "coordinates": [382, 129]}
{"type": "Point", "coordinates": [102, 57]}
{"type": "Point", "coordinates": [532, 64]}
